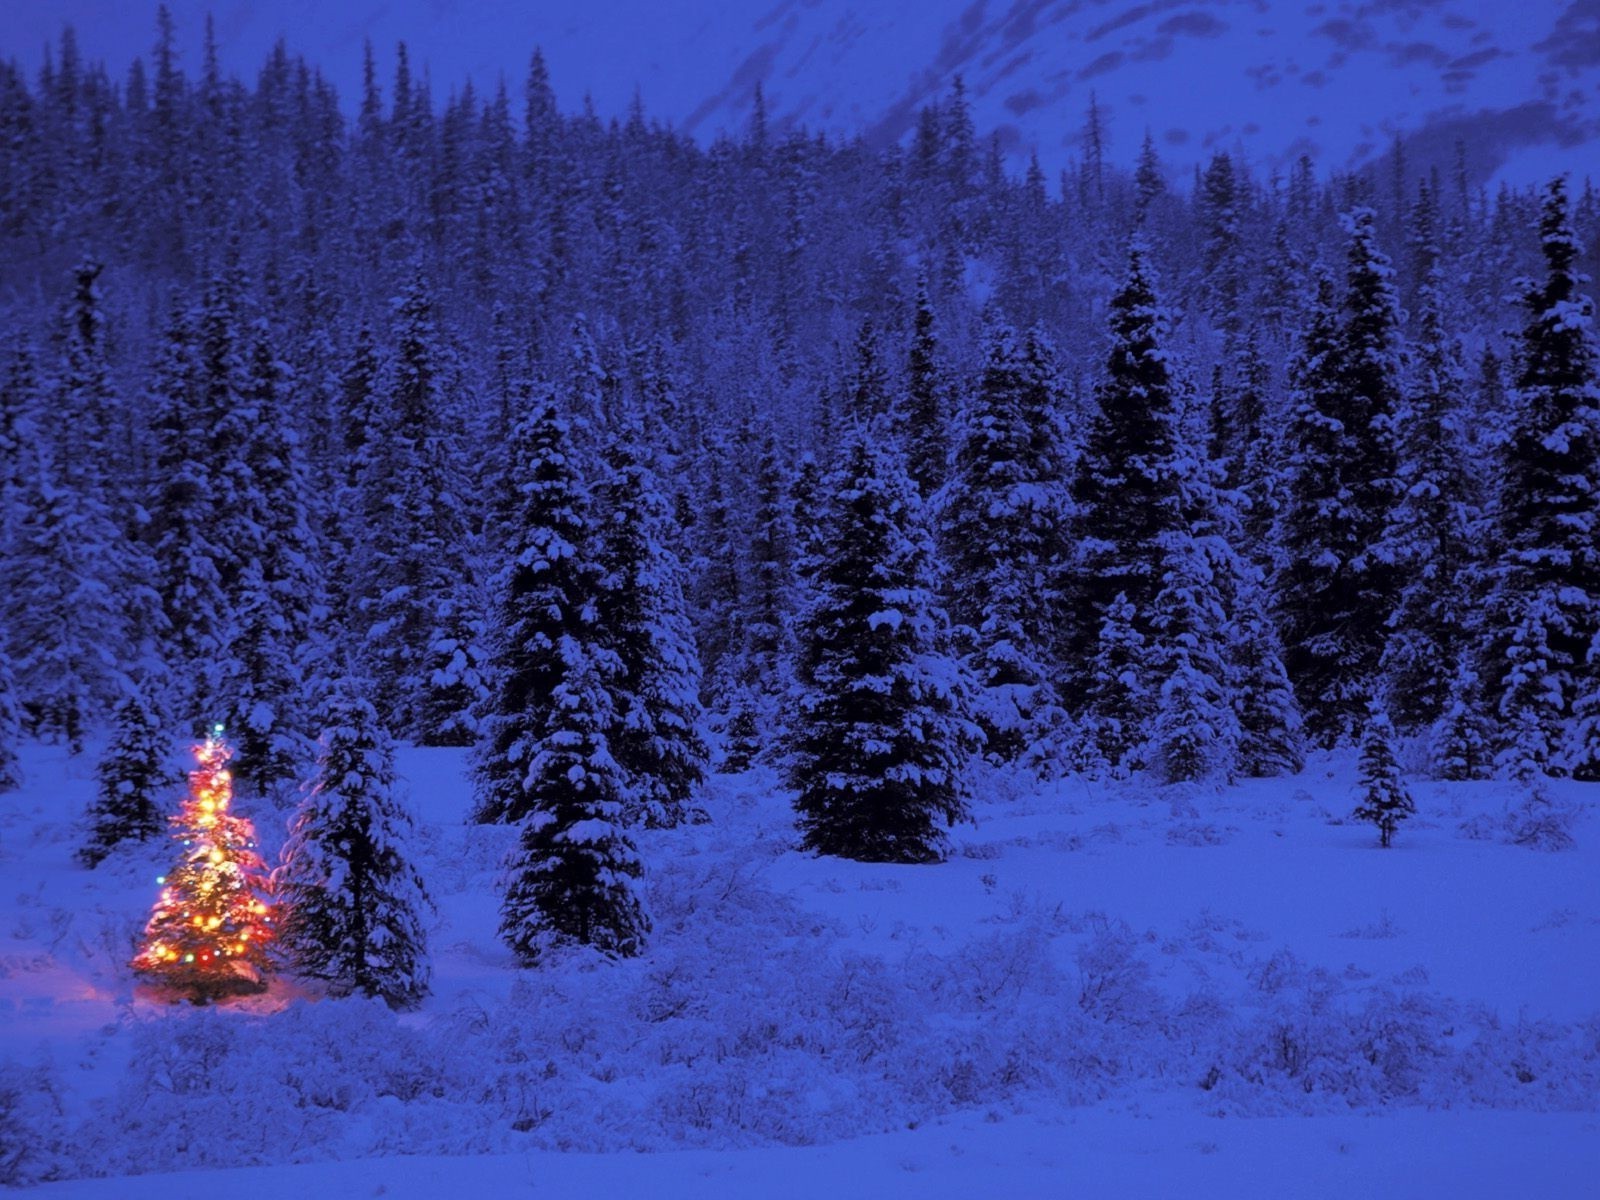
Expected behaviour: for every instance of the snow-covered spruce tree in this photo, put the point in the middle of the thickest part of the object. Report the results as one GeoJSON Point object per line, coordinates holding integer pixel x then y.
{"type": "Point", "coordinates": [769, 650]}
{"type": "Point", "coordinates": [133, 775]}
{"type": "Point", "coordinates": [926, 429]}
{"type": "Point", "coordinates": [1126, 493]}
{"type": "Point", "coordinates": [1263, 700]}
{"type": "Point", "coordinates": [10, 723]}
{"type": "Point", "coordinates": [644, 621]}
{"type": "Point", "coordinates": [415, 528]}
{"type": "Point", "coordinates": [1581, 752]}
{"type": "Point", "coordinates": [457, 662]}
{"type": "Point", "coordinates": [1430, 536]}
{"type": "Point", "coordinates": [84, 406]}
{"type": "Point", "coordinates": [881, 735]}
{"type": "Point", "coordinates": [63, 612]}
{"type": "Point", "coordinates": [1119, 700]}
{"type": "Point", "coordinates": [1385, 800]}
{"type": "Point", "coordinates": [543, 608]}
{"type": "Point", "coordinates": [187, 574]}
{"type": "Point", "coordinates": [715, 588]}
{"type": "Point", "coordinates": [1333, 587]}
{"type": "Point", "coordinates": [1532, 687]}
{"type": "Point", "coordinates": [741, 737]}
{"type": "Point", "coordinates": [1461, 746]}
{"type": "Point", "coordinates": [1002, 527]}
{"type": "Point", "coordinates": [574, 876]}
{"type": "Point", "coordinates": [352, 901]}
{"type": "Point", "coordinates": [21, 397]}
{"type": "Point", "coordinates": [1548, 513]}
{"type": "Point", "coordinates": [1194, 735]}
{"type": "Point", "coordinates": [278, 600]}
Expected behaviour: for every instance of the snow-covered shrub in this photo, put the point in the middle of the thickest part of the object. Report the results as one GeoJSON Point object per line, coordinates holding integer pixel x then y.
{"type": "Point", "coordinates": [31, 1124]}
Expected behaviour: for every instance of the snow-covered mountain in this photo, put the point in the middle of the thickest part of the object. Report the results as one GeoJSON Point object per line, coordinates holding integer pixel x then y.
{"type": "Point", "coordinates": [1338, 80]}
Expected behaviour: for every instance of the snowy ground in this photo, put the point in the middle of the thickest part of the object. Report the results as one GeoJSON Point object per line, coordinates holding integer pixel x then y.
{"type": "Point", "coordinates": [1105, 991]}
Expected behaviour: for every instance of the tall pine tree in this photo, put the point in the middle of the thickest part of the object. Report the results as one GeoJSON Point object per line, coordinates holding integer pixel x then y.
{"type": "Point", "coordinates": [881, 734]}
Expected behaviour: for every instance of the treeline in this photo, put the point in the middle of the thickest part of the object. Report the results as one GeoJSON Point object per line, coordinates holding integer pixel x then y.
{"type": "Point", "coordinates": [560, 434]}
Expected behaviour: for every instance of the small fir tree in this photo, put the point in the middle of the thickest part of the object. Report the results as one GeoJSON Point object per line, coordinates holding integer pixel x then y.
{"type": "Point", "coordinates": [1385, 800]}
{"type": "Point", "coordinates": [132, 775]}
{"type": "Point", "coordinates": [1195, 732]}
{"type": "Point", "coordinates": [208, 935]}
{"type": "Point", "coordinates": [1461, 746]}
{"type": "Point", "coordinates": [1263, 700]}
{"type": "Point", "coordinates": [458, 677]}
{"type": "Point", "coordinates": [574, 877]}
{"type": "Point", "coordinates": [882, 735]}
{"type": "Point", "coordinates": [352, 899]}
{"type": "Point", "coordinates": [1119, 692]}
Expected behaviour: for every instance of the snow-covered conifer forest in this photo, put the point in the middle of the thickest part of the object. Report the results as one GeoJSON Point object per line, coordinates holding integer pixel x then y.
{"type": "Point", "coordinates": [852, 669]}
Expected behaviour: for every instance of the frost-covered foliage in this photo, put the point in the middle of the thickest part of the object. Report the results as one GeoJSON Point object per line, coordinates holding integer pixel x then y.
{"type": "Point", "coordinates": [135, 774]}
{"type": "Point", "coordinates": [348, 887]}
{"type": "Point", "coordinates": [11, 776]}
{"type": "Point", "coordinates": [882, 733]}
{"type": "Point", "coordinates": [457, 672]}
{"type": "Point", "coordinates": [1335, 579]}
{"type": "Point", "coordinates": [1195, 734]}
{"type": "Point", "coordinates": [754, 1023]}
{"type": "Point", "coordinates": [1125, 487]}
{"type": "Point", "coordinates": [33, 1127]}
{"type": "Point", "coordinates": [1461, 744]}
{"type": "Point", "coordinates": [1384, 798]}
{"type": "Point", "coordinates": [574, 877]}
{"type": "Point", "coordinates": [415, 550]}
{"type": "Point", "coordinates": [544, 599]}
{"type": "Point", "coordinates": [1002, 528]}
{"type": "Point", "coordinates": [656, 738]}
{"type": "Point", "coordinates": [1544, 613]}
{"type": "Point", "coordinates": [1436, 515]}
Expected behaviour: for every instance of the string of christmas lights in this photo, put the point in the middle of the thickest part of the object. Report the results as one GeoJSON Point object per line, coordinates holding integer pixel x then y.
{"type": "Point", "coordinates": [207, 936]}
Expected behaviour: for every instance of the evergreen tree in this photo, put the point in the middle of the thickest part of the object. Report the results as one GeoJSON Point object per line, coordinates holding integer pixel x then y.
{"type": "Point", "coordinates": [1002, 523]}
{"type": "Point", "coordinates": [278, 594]}
{"type": "Point", "coordinates": [133, 774]}
{"type": "Point", "coordinates": [416, 531]}
{"type": "Point", "coordinates": [927, 436]}
{"type": "Point", "coordinates": [767, 632]}
{"type": "Point", "coordinates": [643, 619]}
{"type": "Point", "coordinates": [63, 611]}
{"type": "Point", "coordinates": [1581, 755]}
{"type": "Point", "coordinates": [544, 612]}
{"type": "Point", "coordinates": [1385, 800]}
{"type": "Point", "coordinates": [1334, 572]}
{"type": "Point", "coordinates": [1195, 732]}
{"type": "Point", "coordinates": [11, 776]}
{"type": "Point", "coordinates": [1461, 736]}
{"type": "Point", "coordinates": [574, 875]}
{"type": "Point", "coordinates": [1126, 493]}
{"type": "Point", "coordinates": [1263, 700]}
{"type": "Point", "coordinates": [881, 736]}
{"type": "Point", "coordinates": [458, 681]}
{"type": "Point", "coordinates": [187, 574]}
{"type": "Point", "coordinates": [352, 900]}
{"type": "Point", "coordinates": [1431, 532]}
{"type": "Point", "coordinates": [716, 589]}
{"type": "Point", "coordinates": [1119, 700]}
{"type": "Point", "coordinates": [1545, 609]}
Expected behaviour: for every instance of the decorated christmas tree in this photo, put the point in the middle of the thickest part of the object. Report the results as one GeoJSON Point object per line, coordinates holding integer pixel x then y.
{"type": "Point", "coordinates": [208, 935]}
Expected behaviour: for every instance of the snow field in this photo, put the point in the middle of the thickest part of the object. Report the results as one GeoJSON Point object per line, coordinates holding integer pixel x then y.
{"type": "Point", "coordinates": [1098, 986]}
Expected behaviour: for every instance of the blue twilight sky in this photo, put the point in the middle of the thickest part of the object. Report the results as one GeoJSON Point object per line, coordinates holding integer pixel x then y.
{"type": "Point", "coordinates": [1520, 80]}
